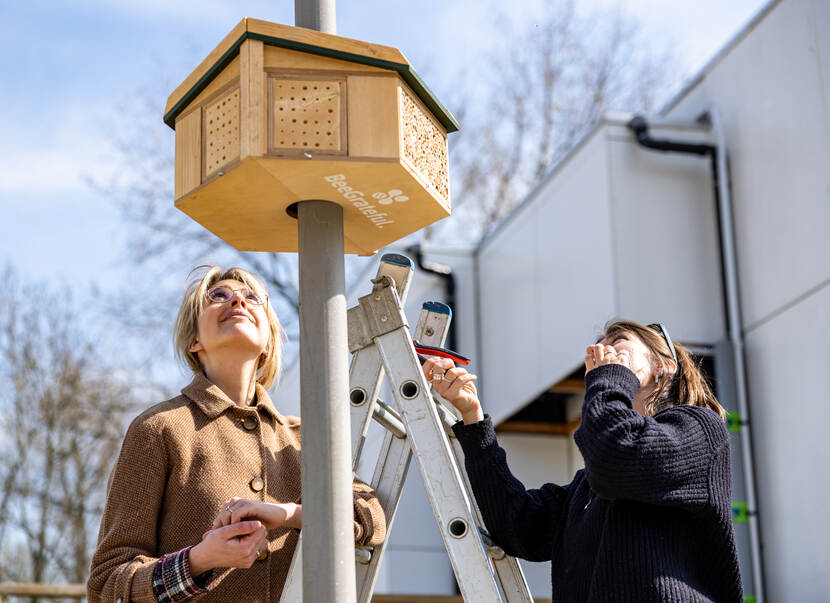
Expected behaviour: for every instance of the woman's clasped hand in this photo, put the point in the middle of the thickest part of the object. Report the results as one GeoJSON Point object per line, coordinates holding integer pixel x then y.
{"type": "Point", "coordinates": [272, 515]}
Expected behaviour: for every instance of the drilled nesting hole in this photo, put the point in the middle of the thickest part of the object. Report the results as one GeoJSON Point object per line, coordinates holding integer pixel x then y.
{"type": "Point", "coordinates": [306, 114]}
{"type": "Point", "coordinates": [221, 119]}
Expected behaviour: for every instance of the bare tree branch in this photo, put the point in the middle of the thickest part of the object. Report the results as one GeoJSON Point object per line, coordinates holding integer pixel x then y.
{"type": "Point", "coordinates": [65, 414]}
{"type": "Point", "coordinates": [544, 92]}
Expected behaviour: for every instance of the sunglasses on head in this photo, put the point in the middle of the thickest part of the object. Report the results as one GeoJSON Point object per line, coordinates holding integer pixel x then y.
{"type": "Point", "coordinates": [223, 293]}
{"type": "Point", "coordinates": [660, 328]}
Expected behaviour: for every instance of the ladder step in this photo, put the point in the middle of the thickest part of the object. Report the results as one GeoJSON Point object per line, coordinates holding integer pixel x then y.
{"type": "Point", "coordinates": [389, 418]}
{"type": "Point", "coordinates": [496, 552]}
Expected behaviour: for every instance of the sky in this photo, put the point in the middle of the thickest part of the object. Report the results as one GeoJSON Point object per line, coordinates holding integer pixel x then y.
{"type": "Point", "coordinates": [67, 68]}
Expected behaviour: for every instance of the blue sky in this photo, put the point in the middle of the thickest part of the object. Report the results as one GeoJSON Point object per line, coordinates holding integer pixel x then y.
{"type": "Point", "coordinates": [67, 66]}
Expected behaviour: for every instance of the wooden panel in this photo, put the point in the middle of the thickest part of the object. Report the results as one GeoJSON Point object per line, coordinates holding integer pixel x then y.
{"type": "Point", "coordinates": [316, 38]}
{"type": "Point", "coordinates": [569, 385]}
{"type": "Point", "coordinates": [205, 65]}
{"type": "Point", "coordinates": [424, 143]}
{"type": "Point", "coordinates": [355, 185]}
{"type": "Point", "coordinates": [306, 115]}
{"type": "Point", "coordinates": [246, 206]}
{"type": "Point", "coordinates": [188, 153]}
{"type": "Point", "coordinates": [282, 58]}
{"type": "Point", "coordinates": [252, 98]}
{"type": "Point", "coordinates": [221, 132]}
{"type": "Point", "coordinates": [296, 34]}
{"type": "Point", "coordinates": [564, 429]}
{"type": "Point", "coordinates": [373, 116]}
{"type": "Point", "coordinates": [229, 76]}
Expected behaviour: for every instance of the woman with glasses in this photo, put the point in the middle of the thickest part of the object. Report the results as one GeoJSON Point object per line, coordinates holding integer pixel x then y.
{"type": "Point", "coordinates": [204, 499]}
{"type": "Point", "coordinates": [649, 518]}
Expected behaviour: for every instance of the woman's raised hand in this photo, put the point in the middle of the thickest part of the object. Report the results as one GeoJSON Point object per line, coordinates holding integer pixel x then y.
{"type": "Point", "coordinates": [272, 515]}
{"type": "Point", "coordinates": [455, 385]}
{"type": "Point", "coordinates": [599, 354]}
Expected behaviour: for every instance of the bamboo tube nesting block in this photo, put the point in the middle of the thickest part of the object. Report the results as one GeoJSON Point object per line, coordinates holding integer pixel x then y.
{"type": "Point", "coordinates": [278, 114]}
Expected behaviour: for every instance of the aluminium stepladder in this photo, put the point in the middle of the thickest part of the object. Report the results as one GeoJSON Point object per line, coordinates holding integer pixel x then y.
{"type": "Point", "coordinates": [419, 426]}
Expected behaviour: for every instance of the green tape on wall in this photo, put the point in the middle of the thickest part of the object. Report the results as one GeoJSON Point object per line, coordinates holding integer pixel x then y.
{"type": "Point", "coordinates": [733, 422]}
{"type": "Point", "coordinates": [740, 512]}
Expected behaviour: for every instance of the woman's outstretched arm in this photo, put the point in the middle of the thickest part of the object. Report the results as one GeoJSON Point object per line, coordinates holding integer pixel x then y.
{"type": "Point", "coordinates": [523, 522]}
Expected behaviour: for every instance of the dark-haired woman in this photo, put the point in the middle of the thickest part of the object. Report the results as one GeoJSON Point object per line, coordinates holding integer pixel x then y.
{"type": "Point", "coordinates": [649, 518]}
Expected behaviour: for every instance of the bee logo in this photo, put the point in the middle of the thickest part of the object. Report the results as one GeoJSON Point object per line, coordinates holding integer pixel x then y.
{"type": "Point", "coordinates": [392, 196]}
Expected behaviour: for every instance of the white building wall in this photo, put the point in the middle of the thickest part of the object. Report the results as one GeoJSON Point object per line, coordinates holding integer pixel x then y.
{"type": "Point", "coordinates": [546, 283]}
{"type": "Point", "coordinates": [616, 231]}
{"type": "Point", "coordinates": [788, 387]}
{"type": "Point", "coordinates": [773, 93]}
{"type": "Point", "coordinates": [666, 255]}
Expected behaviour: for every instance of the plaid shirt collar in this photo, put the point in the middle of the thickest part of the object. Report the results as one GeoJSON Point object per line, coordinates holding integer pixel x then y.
{"type": "Point", "coordinates": [213, 401]}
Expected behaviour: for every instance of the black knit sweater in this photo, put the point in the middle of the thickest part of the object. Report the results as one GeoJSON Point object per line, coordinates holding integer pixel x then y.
{"type": "Point", "coordinates": [648, 519]}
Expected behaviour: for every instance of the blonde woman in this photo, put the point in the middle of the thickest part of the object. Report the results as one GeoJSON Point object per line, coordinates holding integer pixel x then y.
{"type": "Point", "coordinates": [649, 518]}
{"type": "Point", "coordinates": [204, 498]}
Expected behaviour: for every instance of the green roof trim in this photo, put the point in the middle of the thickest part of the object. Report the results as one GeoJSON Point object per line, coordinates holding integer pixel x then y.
{"type": "Point", "coordinates": [405, 71]}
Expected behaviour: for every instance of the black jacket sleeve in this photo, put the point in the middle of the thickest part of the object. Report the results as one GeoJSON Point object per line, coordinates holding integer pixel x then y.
{"type": "Point", "coordinates": [520, 521]}
{"type": "Point", "coordinates": [664, 459]}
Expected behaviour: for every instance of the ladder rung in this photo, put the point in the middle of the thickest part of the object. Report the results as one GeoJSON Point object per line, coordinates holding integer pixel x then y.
{"type": "Point", "coordinates": [389, 418]}
{"type": "Point", "coordinates": [496, 552]}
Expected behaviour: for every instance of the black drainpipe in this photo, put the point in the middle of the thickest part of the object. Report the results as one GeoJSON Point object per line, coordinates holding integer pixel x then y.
{"type": "Point", "coordinates": [639, 126]}
{"type": "Point", "coordinates": [445, 272]}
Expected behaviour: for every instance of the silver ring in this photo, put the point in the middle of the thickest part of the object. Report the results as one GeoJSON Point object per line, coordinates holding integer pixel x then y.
{"type": "Point", "coordinates": [437, 377]}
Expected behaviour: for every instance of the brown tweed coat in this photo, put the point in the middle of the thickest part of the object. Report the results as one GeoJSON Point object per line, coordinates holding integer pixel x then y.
{"type": "Point", "coordinates": [180, 460]}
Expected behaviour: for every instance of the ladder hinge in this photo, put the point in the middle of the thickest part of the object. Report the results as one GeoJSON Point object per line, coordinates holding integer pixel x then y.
{"type": "Point", "coordinates": [378, 313]}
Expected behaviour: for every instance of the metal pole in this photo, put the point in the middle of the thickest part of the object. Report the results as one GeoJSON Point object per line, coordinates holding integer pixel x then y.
{"type": "Point", "coordinates": [733, 308]}
{"type": "Point", "coordinates": [328, 535]}
{"type": "Point", "coordinates": [316, 14]}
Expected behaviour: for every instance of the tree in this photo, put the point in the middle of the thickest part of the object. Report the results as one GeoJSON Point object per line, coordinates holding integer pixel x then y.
{"type": "Point", "coordinates": [543, 88]}
{"type": "Point", "coordinates": [63, 414]}
{"type": "Point", "coordinates": [546, 87]}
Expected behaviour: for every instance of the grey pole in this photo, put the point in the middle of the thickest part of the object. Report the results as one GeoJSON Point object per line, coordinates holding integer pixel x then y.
{"type": "Point", "coordinates": [315, 14]}
{"type": "Point", "coordinates": [328, 535]}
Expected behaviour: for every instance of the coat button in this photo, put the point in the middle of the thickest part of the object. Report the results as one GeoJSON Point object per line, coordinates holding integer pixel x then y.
{"type": "Point", "coordinates": [262, 555]}
{"type": "Point", "coordinates": [257, 484]}
{"type": "Point", "coordinates": [250, 422]}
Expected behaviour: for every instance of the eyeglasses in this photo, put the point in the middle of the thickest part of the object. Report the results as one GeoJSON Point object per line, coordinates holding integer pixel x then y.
{"type": "Point", "coordinates": [660, 328]}
{"type": "Point", "coordinates": [223, 294]}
